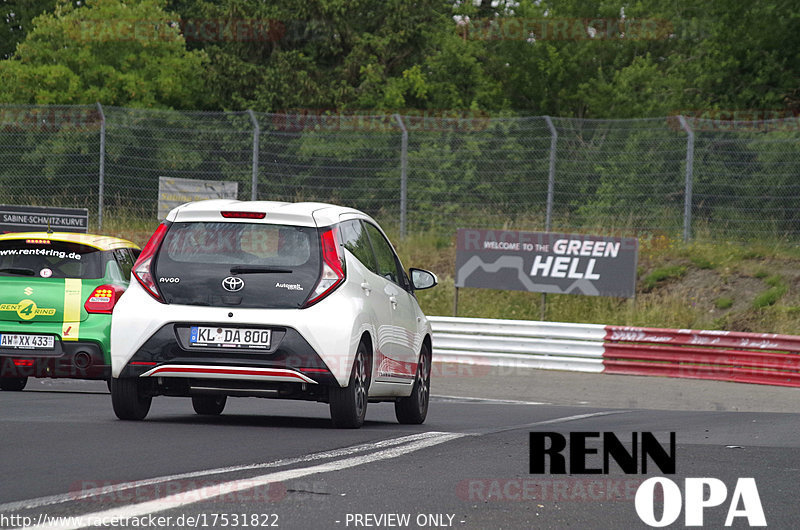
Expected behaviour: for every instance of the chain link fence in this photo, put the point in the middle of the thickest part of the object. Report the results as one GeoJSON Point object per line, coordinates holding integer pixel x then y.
{"type": "Point", "coordinates": [676, 176]}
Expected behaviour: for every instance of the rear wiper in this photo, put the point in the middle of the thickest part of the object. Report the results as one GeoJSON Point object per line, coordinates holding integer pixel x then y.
{"type": "Point", "coordinates": [257, 269]}
{"type": "Point", "coordinates": [19, 271]}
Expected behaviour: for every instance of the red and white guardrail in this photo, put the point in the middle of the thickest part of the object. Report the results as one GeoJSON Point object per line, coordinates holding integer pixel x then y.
{"type": "Point", "coordinates": [761, 358]}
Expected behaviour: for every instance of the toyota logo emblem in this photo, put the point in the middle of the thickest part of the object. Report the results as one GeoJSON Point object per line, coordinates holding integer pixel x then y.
{"type": "Point", "coordinates": [232, 284]}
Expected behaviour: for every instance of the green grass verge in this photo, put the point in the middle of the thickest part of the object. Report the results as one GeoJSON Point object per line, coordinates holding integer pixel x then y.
{"type": "Point", "coordinates": [724, 302]}
{"type": "Point", "coordinates": [662, 274]}
{"type": "Point", "coordinates": [769, 297]}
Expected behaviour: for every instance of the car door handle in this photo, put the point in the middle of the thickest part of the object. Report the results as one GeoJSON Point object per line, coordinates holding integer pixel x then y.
{"type": "Point", "coordinates": [393, 300]}
{"type": "Point", "coordinates": [366, 287]}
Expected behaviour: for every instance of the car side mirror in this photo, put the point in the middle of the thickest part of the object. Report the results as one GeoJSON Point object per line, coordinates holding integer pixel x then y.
{"type": "Point", "coordinates": [422, 279]}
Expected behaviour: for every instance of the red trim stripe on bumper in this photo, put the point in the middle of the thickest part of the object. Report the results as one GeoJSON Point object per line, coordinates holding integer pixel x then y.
{"type": "Point", "coordinates": [229, 372]}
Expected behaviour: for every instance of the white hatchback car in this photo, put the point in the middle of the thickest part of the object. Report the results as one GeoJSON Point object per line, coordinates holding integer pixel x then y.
{"type": "Point", "coordinates": [271, 299]}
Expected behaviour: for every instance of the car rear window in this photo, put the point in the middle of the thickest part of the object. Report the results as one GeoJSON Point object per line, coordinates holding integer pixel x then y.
{"type": "Point", "coordinates": [50, 259]}
{"type": "Point", "coordinates": [279, 264]}
{"type": "Point", "coordinates": [238, 244]}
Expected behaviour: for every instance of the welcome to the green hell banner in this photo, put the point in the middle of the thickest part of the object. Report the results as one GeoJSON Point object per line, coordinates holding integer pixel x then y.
{"type": "Point", "coordinates": [547, 262]}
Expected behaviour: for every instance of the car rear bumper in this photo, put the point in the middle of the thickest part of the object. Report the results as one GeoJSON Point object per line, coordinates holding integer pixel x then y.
{"type": "Point", "coordinates": [290, 359]}
{"type": "Point", "coordinates": [319, 341]}
{"type": "Point", "coordinates": [77, 360]}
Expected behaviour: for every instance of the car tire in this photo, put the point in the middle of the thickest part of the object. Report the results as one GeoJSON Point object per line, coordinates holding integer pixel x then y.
{"type": "Point", "coordinates": [209, 404]}
{"type": "Point", "coordinates": [129, 402]}
{"type": "Point", "coordinates": [349, 404]}
{"type": "Point", "coordinates": [13, 384]}
{"type": "Point", "coordinates": [413, 410]}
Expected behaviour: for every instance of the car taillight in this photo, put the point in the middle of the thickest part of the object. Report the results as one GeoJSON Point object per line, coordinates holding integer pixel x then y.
{"type": "Point", "coordinates": [332, 268]}
{"type": "Point", "coordinates": [142, 269]}
{"type": "Point", "coordinates": [103, 298]}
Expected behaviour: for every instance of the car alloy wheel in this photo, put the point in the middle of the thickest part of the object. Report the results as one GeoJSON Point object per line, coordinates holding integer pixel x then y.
{"type": "Point", "coordinates": [414, 409]}
{"type": "Point", "coordinates": [349, 404]}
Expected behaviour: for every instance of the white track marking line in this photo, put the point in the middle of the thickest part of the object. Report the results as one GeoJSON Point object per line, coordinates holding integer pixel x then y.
{"type": "Point", "coordinates": [463, 399]}
{"type": "Point", "coordinates": [549, 422]}
{"type": "Point", "coordinates": [580, 417]}
{"type": "Point", "coordinates": [123, 486]}
{"type": "Point", "coordinates": [204, 494]}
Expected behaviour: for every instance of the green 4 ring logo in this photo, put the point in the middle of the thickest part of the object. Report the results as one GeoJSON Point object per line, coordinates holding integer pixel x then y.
{"type": "Point", "coordinates": [26, 309]}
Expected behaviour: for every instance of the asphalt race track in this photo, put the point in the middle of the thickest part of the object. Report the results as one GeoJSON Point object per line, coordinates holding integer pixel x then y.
{"type": "Point", "coordinates": [279, 464]}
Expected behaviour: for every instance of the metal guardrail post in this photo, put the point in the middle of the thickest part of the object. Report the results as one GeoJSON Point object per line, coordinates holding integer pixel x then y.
{"type": "Point", "coordinates": [403, 176]}
{"type": "Point", "coordinates": [256, 137]}
{"type": "Point", "coordinates": [102, 177]}
{"type": "Point", "coordinates": [687, 204]}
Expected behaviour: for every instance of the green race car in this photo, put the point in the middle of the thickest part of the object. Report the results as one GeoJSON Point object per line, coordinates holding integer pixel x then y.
{"type": "Point", "coordinates": [57, 291]}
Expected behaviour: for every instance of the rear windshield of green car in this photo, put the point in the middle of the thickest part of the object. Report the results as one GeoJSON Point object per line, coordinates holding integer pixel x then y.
{"type": "Point", "coordinates": [50, 259]}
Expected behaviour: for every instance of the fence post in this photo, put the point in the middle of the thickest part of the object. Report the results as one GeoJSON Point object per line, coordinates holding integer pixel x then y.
{"type": "Point", "coordinates": [403, 176]}
{"type": "Point", "coordinates": [256, 136]}
{"type": "Point", "coordinates": [551, 185]}
{"type": "Point", "coordinates": [687, 201]}
{"type": "Point", "coordinates": [101, 183]}
{"type": "Point", "coordinates": [551, 176]}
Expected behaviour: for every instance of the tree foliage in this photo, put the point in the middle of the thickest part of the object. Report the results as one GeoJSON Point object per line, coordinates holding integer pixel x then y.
{"type": "Point", "coordinates": [563, 58]}
{"type": "Point", "coordinates": [16, 17]}
{"type": "Point", "coordinates": [577, 58]}
{"type": "Point", "coordinates": [109, 51]}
